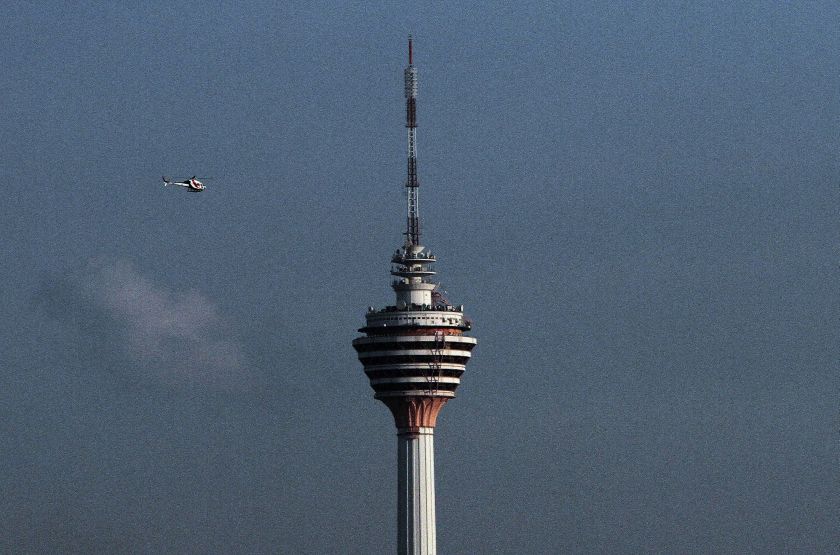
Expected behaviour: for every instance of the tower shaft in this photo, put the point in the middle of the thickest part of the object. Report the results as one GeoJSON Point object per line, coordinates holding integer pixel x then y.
{"type": "Point", "coordinates": [416, 531]}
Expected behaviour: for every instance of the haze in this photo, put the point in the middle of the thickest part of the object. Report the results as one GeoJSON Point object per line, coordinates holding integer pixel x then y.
{"type": "Point", "coordinates": [636, 203]}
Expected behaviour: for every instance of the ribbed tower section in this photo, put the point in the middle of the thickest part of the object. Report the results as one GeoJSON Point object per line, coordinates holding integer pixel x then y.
{"type": "Point", "coordinates": [414, 353]}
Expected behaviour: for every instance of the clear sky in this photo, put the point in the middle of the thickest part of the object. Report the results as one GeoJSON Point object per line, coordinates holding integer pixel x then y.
{"type": "Point", "coordinates": [636, 202]}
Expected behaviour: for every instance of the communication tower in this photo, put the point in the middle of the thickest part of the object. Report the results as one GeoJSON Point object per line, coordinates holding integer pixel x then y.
{"type": "Point", "coordinates": [414, 353]}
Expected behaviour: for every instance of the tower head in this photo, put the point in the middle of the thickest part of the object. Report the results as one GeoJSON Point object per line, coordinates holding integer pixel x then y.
{"type": "Point", "coordinates": [415, 350]}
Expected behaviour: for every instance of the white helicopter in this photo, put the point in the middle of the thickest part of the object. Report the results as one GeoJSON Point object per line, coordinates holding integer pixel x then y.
{"type": "Point", "coordinates": [192, 184]}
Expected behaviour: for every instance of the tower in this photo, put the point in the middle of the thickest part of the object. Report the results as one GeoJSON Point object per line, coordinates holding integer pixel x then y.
{"type": "Point", "coordinates": [414, 353]}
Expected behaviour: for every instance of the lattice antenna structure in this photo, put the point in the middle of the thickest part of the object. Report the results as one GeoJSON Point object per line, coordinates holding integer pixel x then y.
{"type": "Point", "coordinates": [412, 182]}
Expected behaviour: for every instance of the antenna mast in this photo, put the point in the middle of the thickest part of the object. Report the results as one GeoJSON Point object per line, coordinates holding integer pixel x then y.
{"type": "Point", "coordinates": [412, 233]}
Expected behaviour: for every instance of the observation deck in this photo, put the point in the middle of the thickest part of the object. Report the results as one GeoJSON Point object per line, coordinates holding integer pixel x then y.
{"type": "Point", "coordinates": [412, 263]}
{"type": "Point", "coordinates": [416, 347]}
{"type": "Point", "coordinates": [418, 319]}
{"type": "Point", "coordinates": [416, 351]}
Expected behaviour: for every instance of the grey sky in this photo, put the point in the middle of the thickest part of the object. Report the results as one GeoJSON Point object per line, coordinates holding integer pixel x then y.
{"type": "Point", "coordinates": [636, 202]}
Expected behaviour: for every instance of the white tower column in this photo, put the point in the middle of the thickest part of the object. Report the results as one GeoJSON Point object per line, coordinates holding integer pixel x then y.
{"type": "Point", "coordinates": [416, 533]}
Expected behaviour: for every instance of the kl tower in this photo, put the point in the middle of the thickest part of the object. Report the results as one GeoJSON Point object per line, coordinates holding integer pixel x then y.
{"type": "Point", "coordinates": [414, 353]}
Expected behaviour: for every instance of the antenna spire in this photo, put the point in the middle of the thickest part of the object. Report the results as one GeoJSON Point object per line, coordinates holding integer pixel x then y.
{"type": "Point", "coordinates": [410, 61]}
{"type": "Point", "coordinates": [412, 233]}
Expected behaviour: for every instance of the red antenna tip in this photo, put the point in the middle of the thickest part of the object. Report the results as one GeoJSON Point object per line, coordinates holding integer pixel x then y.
{"type": "Point", "coordinates": [409, 51]}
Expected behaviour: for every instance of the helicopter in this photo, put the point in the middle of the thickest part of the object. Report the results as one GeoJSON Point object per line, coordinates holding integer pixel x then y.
{"type": "Point", "coordinates": [192, 184]}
